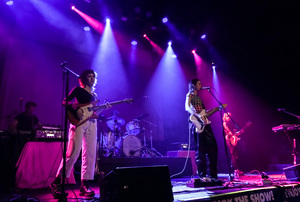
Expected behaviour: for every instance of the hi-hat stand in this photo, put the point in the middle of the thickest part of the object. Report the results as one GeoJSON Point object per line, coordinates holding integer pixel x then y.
{"type": "Point", "coordinates": [146, 151]}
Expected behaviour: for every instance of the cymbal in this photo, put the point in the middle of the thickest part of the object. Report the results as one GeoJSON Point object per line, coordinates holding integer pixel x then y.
{"type": "Point", "coordinates": [142, 116]}
{"type": "Point", "coordinates": [112, 123]}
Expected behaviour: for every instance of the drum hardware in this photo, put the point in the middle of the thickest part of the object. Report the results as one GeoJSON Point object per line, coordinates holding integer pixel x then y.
{"type": "Point", "coordinates": [133, 127]}
{"type": "Point", "coordinates": [149, 152]}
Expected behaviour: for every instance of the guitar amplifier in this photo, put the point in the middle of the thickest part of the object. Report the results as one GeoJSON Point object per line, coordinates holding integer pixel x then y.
{"type": "Point", "coordinates": [50, 134]}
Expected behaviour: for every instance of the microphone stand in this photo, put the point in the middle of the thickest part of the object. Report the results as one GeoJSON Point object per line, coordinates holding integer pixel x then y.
{"type": "Point", "coordinates": [223, 132]}
{"type": "Point", "coordinates": [63, 197]}
{"type": "Point", "coordinates": [291, 114]}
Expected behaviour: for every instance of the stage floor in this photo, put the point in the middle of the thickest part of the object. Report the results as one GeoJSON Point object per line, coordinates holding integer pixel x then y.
{"type": "Point", "coordinates": [249, 187]}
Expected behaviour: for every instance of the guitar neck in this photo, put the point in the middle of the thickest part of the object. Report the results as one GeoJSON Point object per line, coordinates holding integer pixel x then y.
{"type": "Point", "coordinates": [213, 110]}
{"type": "Point", "coordinates": [95, 108]}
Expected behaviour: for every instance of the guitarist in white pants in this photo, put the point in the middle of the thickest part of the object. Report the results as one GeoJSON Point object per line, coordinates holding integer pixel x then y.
{"type": "Point", "coordinates": [205, 141]}
{"type": "Point", "coordinates": [82, 136]}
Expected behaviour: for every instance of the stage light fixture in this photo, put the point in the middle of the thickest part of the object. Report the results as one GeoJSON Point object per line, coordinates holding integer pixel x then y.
{"type": "Point", "coordinates": [203, 36]}
{"type": "Point", "coordinates": [145, 35]}
{"type": "Point", "coordinates": [134, 43]}
{"type": "Point", "coordinates": [107, 20]}
{"type": "Point", "coordinates": [170, 43]}
{"type": "Point", "coordinates": [214, 67]}
{"type": "Point", "coordinates": [73, 7]}
{"type": "Point", "coordinates": [165, 20]}
{"type": "Point", "coordinates": [9, 3]}
{"type": "Point", "coordinates": [194, 51]}
{"type": "Point", "coordinates": [87, 28]}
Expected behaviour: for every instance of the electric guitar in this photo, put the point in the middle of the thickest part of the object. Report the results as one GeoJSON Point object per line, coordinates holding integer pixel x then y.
{"type": "Point", "coordinates": [89, 110]}
{"type": "Point", "coordinates": [200, 120]}
{"type": "Point", "coordinates": [234, 138]}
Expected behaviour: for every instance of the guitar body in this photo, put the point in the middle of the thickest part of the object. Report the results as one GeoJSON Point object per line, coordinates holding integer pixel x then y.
{"type": "Point", "coordinates": [89, 110]}
{"type": "Point", "coordinates": [200, 121]}
{"type": "Point", "coordinates": [233, 139]}
{"type": "Point", "coordinates": [87, 114]}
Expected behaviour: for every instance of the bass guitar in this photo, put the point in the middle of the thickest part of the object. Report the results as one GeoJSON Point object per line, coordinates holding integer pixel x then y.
{"type": "Point", "coordinates": [200, 120]}
{"type": "Point", "coordinates": [89, 110]}
{"type": "Point", "coordinates": [233, 138]}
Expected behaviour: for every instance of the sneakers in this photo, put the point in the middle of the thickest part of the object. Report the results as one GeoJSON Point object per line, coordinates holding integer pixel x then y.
{"type": "Point", "coordinates": [85, 191]}
{"type": "Point", "coordinates": [56, 190]}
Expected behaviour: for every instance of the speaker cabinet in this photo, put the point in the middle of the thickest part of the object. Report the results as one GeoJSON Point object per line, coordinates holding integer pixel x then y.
{"type": "Point", "coordinates": [292, 172]}
{"type": "Point", "coordinates": [136, 184]}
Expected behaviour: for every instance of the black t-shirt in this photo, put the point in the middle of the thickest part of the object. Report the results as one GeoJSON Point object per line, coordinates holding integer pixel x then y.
{"type": "Point", "coordinates": [26, 121]}
{"type": "Point", "coordinates": [81, 95]}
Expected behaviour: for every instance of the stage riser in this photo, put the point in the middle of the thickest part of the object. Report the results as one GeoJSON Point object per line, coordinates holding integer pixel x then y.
{"type": "Point", "coordinates": [175, 164]}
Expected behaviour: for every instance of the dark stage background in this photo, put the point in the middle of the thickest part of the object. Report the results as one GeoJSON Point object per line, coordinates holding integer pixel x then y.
{"type": "Point", "coordinates": [254, 45]}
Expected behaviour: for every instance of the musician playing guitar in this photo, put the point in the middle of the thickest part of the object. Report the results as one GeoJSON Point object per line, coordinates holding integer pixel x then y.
{"type": "Point", "coordinates": [199, 126]}
{"type": "Point", "coordinates": [232, 138]}
{"type": "Point", "coordinates": [81, 136]}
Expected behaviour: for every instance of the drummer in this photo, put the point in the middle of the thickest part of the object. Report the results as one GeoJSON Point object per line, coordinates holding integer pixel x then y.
{"type": "Point", "coordinates": [115, 122]}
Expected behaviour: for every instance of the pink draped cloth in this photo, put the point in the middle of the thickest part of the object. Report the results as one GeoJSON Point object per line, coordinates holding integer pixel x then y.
{"type": "Point", "coordinates": [38, 163]}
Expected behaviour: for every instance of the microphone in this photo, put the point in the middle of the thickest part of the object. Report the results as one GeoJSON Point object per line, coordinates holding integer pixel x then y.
{"type": "Point", "coordinates": [280, 109]}
{"type": "Point", "coordinates": [64, 64]}
{"type": "Point", "coordinates": [204, 88]}
{"type": "Point", "coordinates": [146, 96]}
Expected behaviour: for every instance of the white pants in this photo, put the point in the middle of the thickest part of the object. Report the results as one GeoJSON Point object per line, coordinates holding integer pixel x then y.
{"type": "Point", "coordinates": [83, 137]}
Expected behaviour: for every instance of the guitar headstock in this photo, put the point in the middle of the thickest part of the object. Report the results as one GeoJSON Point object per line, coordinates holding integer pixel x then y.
{"type": "Point", "coordinates": [128, 100]}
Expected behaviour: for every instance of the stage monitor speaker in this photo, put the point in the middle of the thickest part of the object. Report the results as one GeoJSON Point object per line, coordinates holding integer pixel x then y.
{"type": "Point", "coordinates": [292, 172]}
{"type": "Point", "coordinates": [136, 184]}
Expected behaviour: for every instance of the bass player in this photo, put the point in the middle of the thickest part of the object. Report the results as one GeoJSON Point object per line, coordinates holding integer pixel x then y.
{"type": "Point", "coordinates": [232, 138]}
{"type": "Point", "coordinates": [83, 136]}
{"type": "Point", "coordinates": [200, 128]}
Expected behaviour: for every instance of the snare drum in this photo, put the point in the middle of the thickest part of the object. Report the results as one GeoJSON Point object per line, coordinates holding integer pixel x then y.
{"type": "Point", "coordinates": [133, 127]}
{"type": "Point", "coordinates": [131, 146]}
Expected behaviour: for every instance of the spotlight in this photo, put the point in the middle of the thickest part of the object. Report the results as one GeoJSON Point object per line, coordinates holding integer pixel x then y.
{"type": "Point", "coordinates": [203, 36]}
{"type": "Point", "coordinates": [87, 28]}
{"type": "Point", "coordinates": [9, 3]}
{"type": "Point", "coordinates": [214, 67]}
{"type": "Point", "coordinates": [145, 35]}
{"type": "Point", "coordinates": [134, 43]}
{"type": "Point", "coordinates": [170, 43]}
{"type": "Point", "coordinates": [107, 20]}
{"type": "Point", "coordinates": [165, 20]}
{"type": "Point", "coordinates": [194, 51]}
{"type": "Point", "coordinates": [73, 7]}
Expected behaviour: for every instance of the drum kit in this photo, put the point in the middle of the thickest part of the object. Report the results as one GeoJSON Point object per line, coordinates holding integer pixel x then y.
{"type": "Point", "coordinates": [115, 143]}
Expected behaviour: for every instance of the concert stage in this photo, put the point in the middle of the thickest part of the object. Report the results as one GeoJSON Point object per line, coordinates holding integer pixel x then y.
{"type": "Point", "coordinates": [249, 187]}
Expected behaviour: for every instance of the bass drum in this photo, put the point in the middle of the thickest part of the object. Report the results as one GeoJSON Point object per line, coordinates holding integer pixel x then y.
{"type": "Point", "coordinates": [131, 146]}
